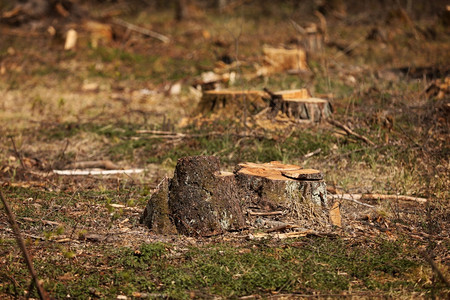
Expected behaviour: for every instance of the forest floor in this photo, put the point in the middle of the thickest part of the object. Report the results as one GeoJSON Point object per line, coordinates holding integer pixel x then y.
{"type": "Point", "coordinates": [384, 74]}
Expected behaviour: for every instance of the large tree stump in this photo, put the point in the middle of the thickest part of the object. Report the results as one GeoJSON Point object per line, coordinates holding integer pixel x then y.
{"type": "Point", "coordinates": [201, 200]}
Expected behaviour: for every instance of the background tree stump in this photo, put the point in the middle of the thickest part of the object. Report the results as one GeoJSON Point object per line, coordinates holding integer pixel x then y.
{"type": "Point", "coordinates": [231, 103]}
{"type": "Point", "coordinates": [299, 105]}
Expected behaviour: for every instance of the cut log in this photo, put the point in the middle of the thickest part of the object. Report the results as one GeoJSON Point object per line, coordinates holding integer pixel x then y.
{"type": "Point", "coordinates": [229, 103]}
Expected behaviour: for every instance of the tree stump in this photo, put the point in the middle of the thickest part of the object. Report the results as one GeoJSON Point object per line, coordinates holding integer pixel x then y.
{"type": "Point", "coordinates": [201, 200]}
{"type": "Point", "coordinates": [299, 106]}
{"type": "Point", "coordinates": [156, 214]}
{"type": "Point", "coordinates": [300, 194]}
{"type": "Point", "coordinates": [228, 103]}
{"type": "Point", "coordinates": [279, 60]}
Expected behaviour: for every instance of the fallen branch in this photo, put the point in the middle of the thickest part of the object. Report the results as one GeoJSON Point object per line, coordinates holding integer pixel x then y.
{"type": "Point", "coordinates": [356, 197]}
{"type": "Point", "coordinates": [310, 154]}
{"type": "Point", "coordinates": [179, 135]}
{"type": "Point", "coordinates": [342, 197]}
{"type": "Point", "coordinates": [267, 213]}
{"type": "Point", "coordinates": [97, 172]}
{"type": "Point", "coordinates": [393, 197]}
{"type": "Point", "coordinates": [351, 132]}
{"type": "Point", "coordinates": [436, 269]}
{"type": "Point", "coordinates": [46, 222]}
{"type": "Point", "coordinates": [18, 236]}
{"type": "Point", "coordinates": [141, 30]}
{"type": "Point", "coordinates": [281, 236]}
{"type": "Point", "coordinates": [17, 153]}
{"type": "Point", "coordinates": [102, 164]}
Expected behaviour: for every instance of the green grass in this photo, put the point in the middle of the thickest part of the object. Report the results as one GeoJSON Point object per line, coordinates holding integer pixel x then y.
{"type": "Point", "coordinates": [296, 266]}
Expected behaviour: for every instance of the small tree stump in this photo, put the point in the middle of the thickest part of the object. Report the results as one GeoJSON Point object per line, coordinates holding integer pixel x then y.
{"type": "Point", "coordinates": [156, 214]}
{"type": "Point", "coordinates": [298, 105]}
{"type": "Point", "coordinates": [280, 59]}
{"type": "Point", "coordinates": [229, 103]}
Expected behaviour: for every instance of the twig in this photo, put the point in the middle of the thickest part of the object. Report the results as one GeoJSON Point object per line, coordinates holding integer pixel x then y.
{"type": "Point", "coordinates": [436, 269]}
{"type": "Point", "coordinates": [308, 155]}
{"type": "Point", "coordinates": [267, 213]}
{"type": "Point", "coordinates": [101, 164]}
{"type": "Point", "coordinates": [179, 135]}
{"type": "Point", "coordinates": [46, 222]}
{"type": "Point", "coordinates": [351, 132]}
{"type": "Point", "coordinates": [141, 30]}
{"type": "Point", "coordinates": [395, 197]}
{"type": "Point", "coordinates": [19, 157]}
{"type": "Point", "coordinates": [355, 197]}
{"type": "Point", "coordinates": [97, 172]}
{"type": "Point", "coordinates": [342, 197]}
{"type": "Point", "coordinates": [18, 236]}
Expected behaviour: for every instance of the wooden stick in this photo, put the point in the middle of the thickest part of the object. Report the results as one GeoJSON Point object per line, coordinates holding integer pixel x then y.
{"type": "Point", "coordinates": [173, 135]}
{"type": "Point", "coordinates": [310, 154]}
{"type": "Point", "coordinates": [342, 197]}
{"type": "Point", "coordinates": [267, 213]}
{"type": "Point", "coordinates": [394, 197]}
{"type": "Point", "coordinates": [19, 157]}
{"type": "Point", "coordinates": [102, 164]}
{"type": "Point", "coordinates": [18, 236]}
{"type": "Point", "coordinates": [351, 132]}
{"type": "Point", "coordinates": [436, 269]}
{"type": "Point", "coordinates": [46, 222]}
{"type": "Point", "coordinates": [141, 30]}
{"type": "Point", "coordinates": [355, 197]}
{"type": "Point", "coordinates": [97, 172]}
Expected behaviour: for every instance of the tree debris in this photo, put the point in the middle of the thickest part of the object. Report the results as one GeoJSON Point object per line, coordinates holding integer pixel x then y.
{"type": "Point", "coordinates": [351, 132]}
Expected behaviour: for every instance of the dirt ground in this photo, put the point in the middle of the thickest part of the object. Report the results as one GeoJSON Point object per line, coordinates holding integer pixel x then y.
{"type": "Point", "coordinates": [124, 96]}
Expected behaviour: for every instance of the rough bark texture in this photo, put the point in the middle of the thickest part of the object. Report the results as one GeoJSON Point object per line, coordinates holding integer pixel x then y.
{"type": "Point", "coordinates": [229, 103]}
{"type": "Point", "coordinates": [202, 200]}
{"type": "Point", "coordinates": [264, 186]}
{"type": "Point", "coordinates": [299, 105]}
{"type": "Point", "coordinates": [312, 109]}
{"type": "Point", "coordinates": [156, 214]}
